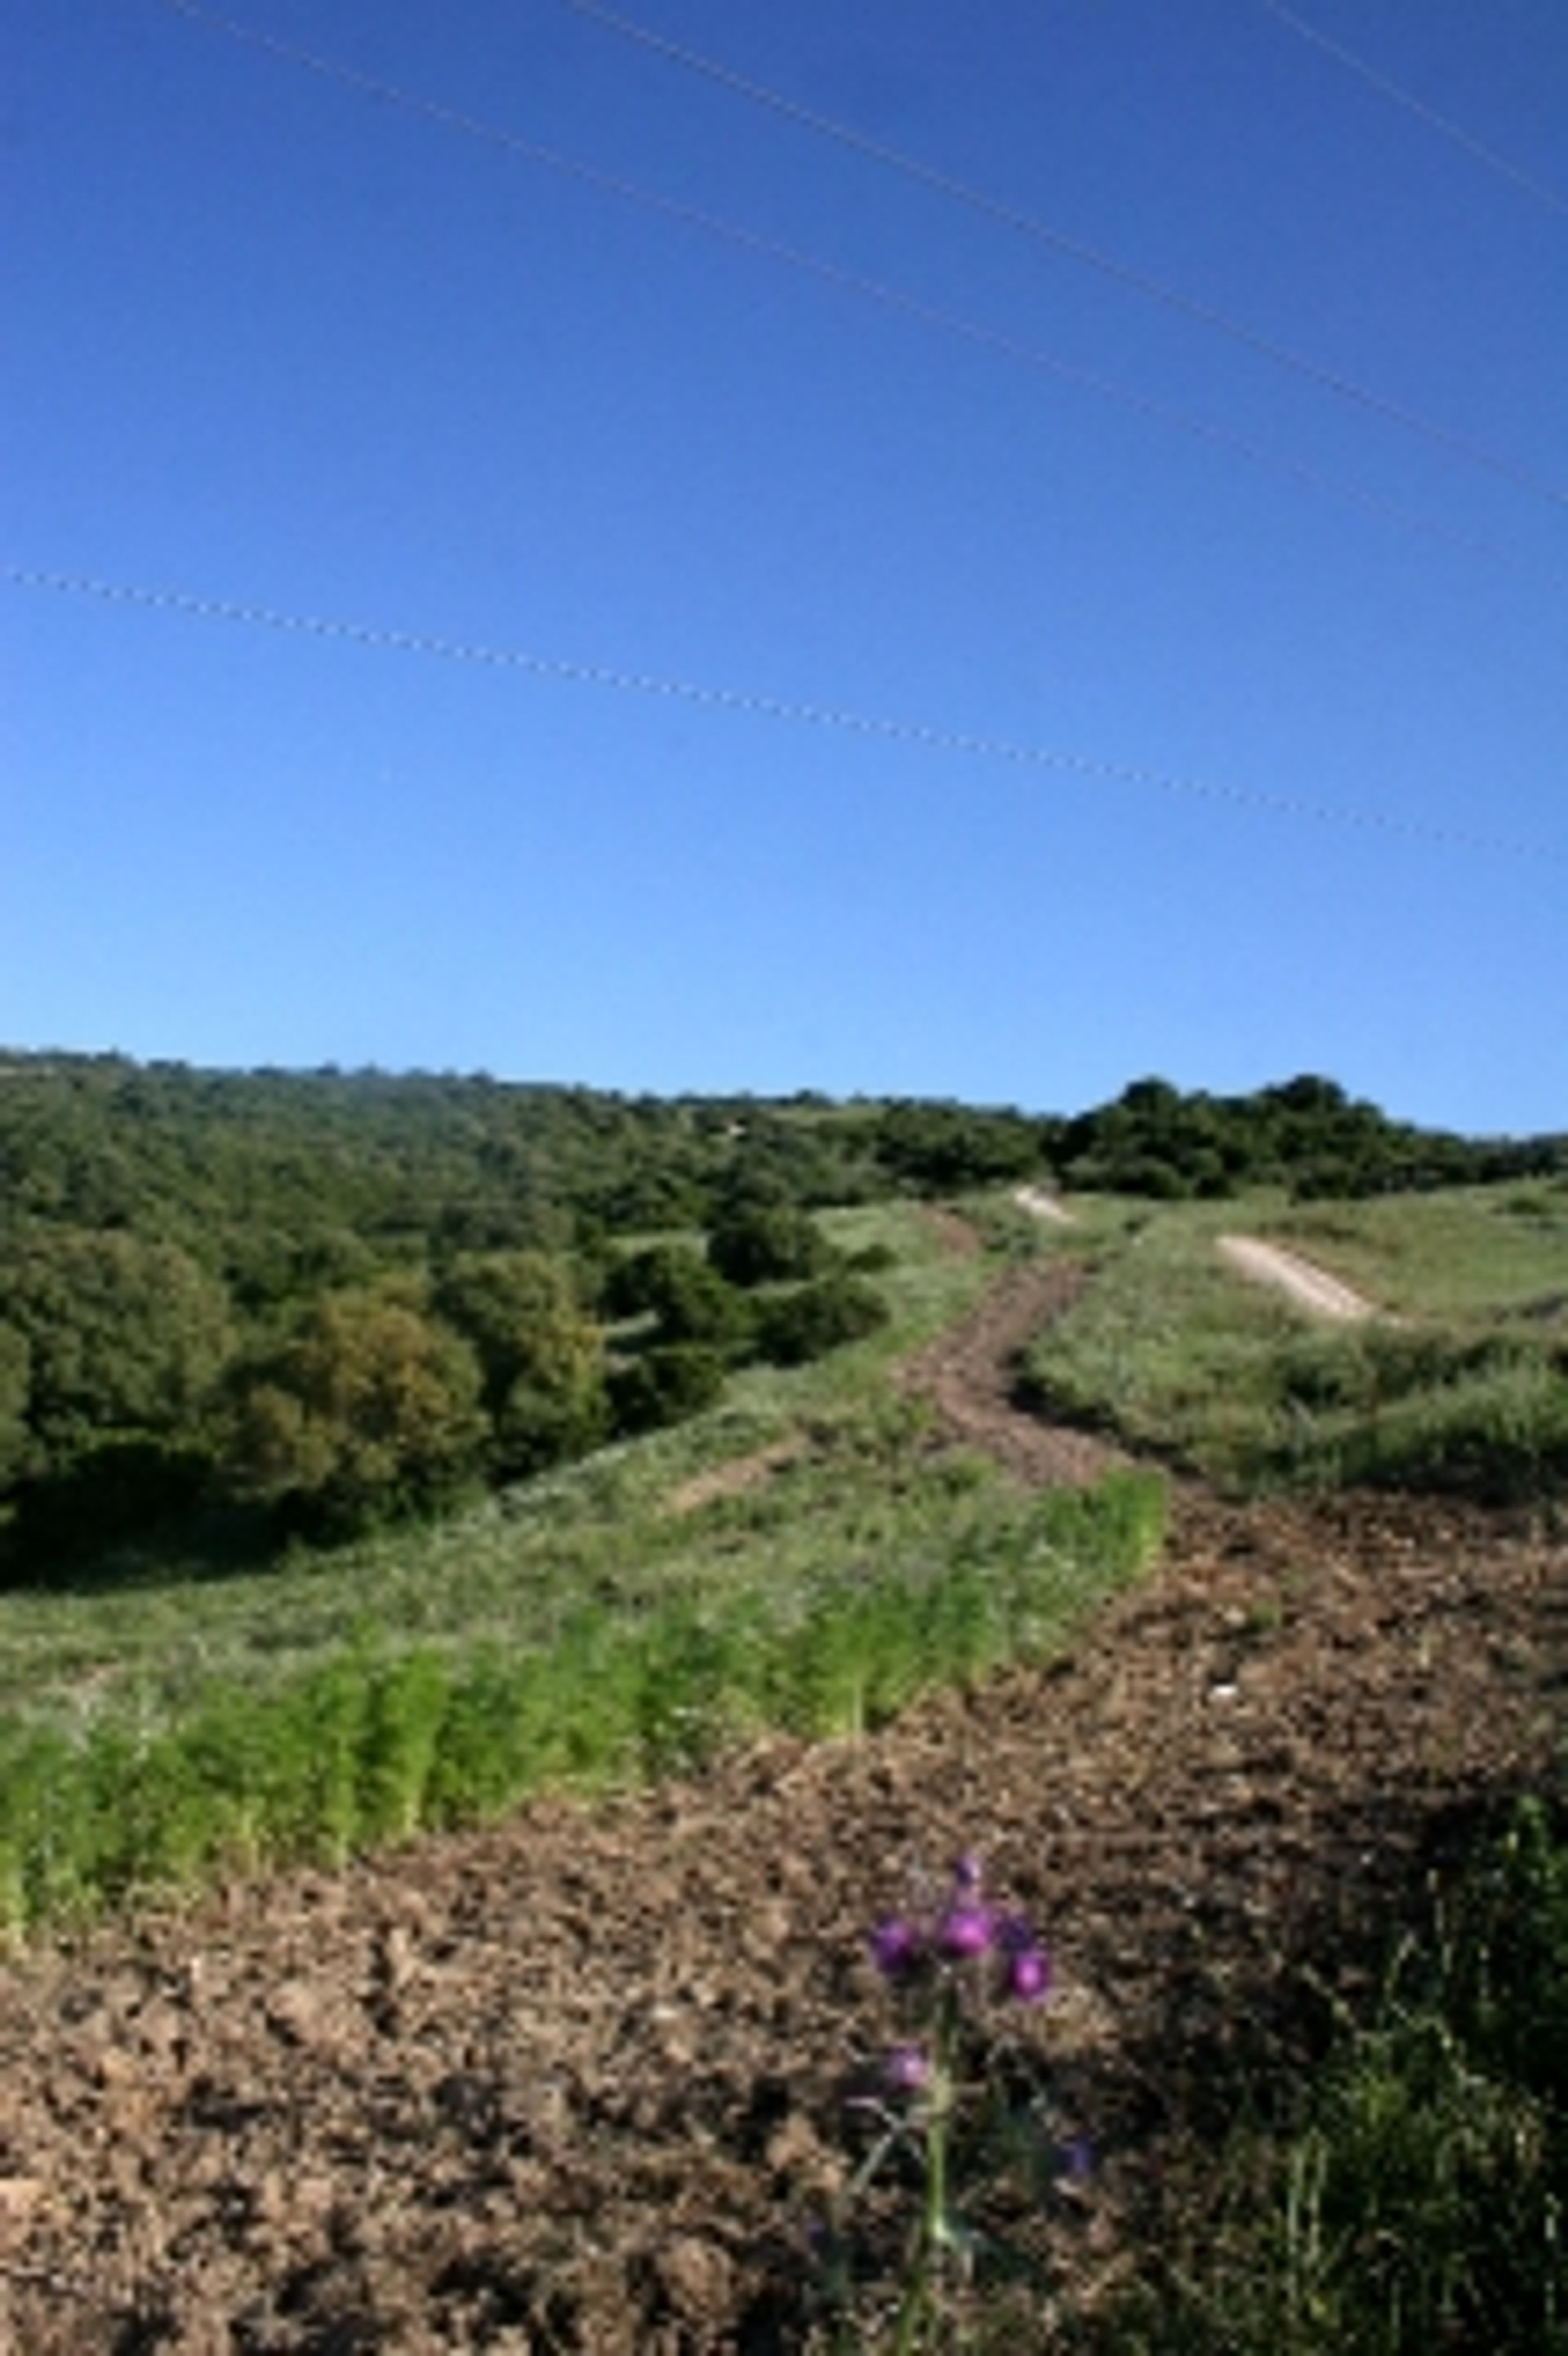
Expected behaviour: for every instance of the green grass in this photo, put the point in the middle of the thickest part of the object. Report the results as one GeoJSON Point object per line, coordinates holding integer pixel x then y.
{"type": "Point", "coordinates": [1464, 1387]}
{"type": "Point", "coordinates": [159, 1622]}
{"type": "Point", "coordinates": [577, 1632]}
{"type": "Point", "coordinates": [384, 1738]}
{"type": "Point", "coordinates": [1419, 2200]}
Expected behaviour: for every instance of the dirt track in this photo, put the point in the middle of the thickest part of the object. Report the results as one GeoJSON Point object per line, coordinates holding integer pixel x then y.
{"type": "Point", "coordinates": [1311, 1287]}
{"type": "Point", "coordinates": [577, 2083]}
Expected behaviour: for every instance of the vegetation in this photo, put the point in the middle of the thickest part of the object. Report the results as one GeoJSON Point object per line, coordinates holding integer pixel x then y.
{"type": "Point", "coordinates": [1463, 1388]}
{"type": "Point", "coordinates": [1305, 1135]}
{"type": "Point", "coordinates": [1414, 2194]}
{"type": "Point", "coordinates": [380, 1740]}
{"type": "Point", "coordinates": [375, 1452]}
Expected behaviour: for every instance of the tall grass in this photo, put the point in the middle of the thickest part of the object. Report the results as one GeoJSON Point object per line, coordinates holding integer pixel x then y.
{"type": "Point", "coordinates": [374, 1744]}
{"type": "Point", "coordinates": [1176, 1354]}
{"type": "Point", "coordinates": [1420, 2201]}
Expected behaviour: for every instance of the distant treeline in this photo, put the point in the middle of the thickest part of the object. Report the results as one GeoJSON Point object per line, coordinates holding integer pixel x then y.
{"type": "Point", "coordinates": [324, 1297]}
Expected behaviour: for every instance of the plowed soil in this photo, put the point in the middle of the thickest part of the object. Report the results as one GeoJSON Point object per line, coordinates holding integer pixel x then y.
{"type": "Point", "coordinates": [577, 2082]}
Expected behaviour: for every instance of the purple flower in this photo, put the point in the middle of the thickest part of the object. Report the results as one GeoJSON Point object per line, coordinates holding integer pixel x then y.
{"type": "Point", "coordinates": [897, 1948]}
{"type": "Point", "coordinates": [1025, 1966]}
{"type": "Point", "coordinates": [906, 2070]}
{"type": "Point", "coordinates": [1027, 1979]}
{"type": "Point", "coordinates": [966, 1929]}
{"type": "Point", "coordinates": [966, 1874]}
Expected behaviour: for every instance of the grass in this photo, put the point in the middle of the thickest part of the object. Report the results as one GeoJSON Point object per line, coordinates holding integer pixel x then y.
{"type": "Point", "coordinates": [385, 1738]}
{"type": "Point", "coordinates": [1461, 1388]}
{"type": "Point", "coordinates": [160, 1623]}
{"type": "Point", "coordinates": [1419, 2200]}
{"type": "Point", "coordinates": [577, 1632]}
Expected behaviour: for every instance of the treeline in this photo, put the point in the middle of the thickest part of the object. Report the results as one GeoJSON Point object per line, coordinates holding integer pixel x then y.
{"type": "Point", "coordinates": [323, 1297]}
{"type": "Point", "coordinates": [1305, 1135]}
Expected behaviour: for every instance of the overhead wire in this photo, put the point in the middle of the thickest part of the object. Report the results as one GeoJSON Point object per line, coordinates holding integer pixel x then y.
{"type": "Point", "coordinates": [752, 704]}
{"type": "Point", "coordinates": [1040, 232]}
{"type": "Point", "coordinates": [915, 307]}
{"type": "Point", "coordinates": [1443, 123]}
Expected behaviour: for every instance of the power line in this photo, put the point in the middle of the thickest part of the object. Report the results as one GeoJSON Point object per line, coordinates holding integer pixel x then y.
{"type": "Point", "coordinates": [836, 275]}
{"type": "Point", "coordinates": [750, 704]}
{"type": "Point", "coordinates": [1428, 114]}
{"type": "Point", "coordinates": [1040, 232]}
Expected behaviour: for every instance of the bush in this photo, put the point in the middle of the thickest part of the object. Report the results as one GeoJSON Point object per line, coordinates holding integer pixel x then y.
{"type": "Point", "coordinates": [816, 1318]}
{"type": "Point", "coordinates": [367, 1409]}
{"type": "Point", "coordinates": [105, 1492]}
{"type": "Point", "coordinates": [665, 1385]}
{"type": "Point", "coordinates": [766, 1244]}
{"type": "Point", "coordinates": [691, 1300]}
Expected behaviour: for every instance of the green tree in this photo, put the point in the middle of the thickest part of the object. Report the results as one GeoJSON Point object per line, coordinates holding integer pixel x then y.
{"type": "Point", "coordinates": [16, 1358]}
{"type": "Point", "coordinates": [366, 1411]}
{"type": "Point", "coordinates": [665, 1385]}
{"type": "Point", "coordinates": [122, 1335]}
{"type": "Point", "coordinates": [541, 1357]}
{"type": "Point", "coordinates": [766, 1244]}
{"type": "Point", "coordinates": [676, 1285]}
{"type": "Point", "coordinates": [793, 1327]}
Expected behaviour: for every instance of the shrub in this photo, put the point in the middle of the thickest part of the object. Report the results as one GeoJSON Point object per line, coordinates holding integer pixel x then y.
{"type": "Point", "coordinates": [767, 1244]}
{"type": "Point", "coordinates": [674, 1284]}
{"type": "Point", "coordinates": [366, 1409]}
{"type": "Point", "coordinates": [665, 1385]}
{"type": "Point", "coordinates": [816, 1318]}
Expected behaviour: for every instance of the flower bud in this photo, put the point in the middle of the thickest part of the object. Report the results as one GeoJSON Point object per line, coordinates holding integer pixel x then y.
{"type": "Point", "coordinates": [1027, 1978]}
{"type": "Point", "coordinates": [965, 1930]}
{"type": "Point", "coordinates": [897, 1949]}
{"type": "Point", "coordinates": [906, 2070]}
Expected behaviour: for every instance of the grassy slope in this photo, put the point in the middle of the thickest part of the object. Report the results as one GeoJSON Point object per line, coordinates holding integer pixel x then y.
{"type": "Point", "coordinates": [1462, 1386]}
{"type": "Point", "coordinates": [167, 1619]}
{"type": "Point", "coordinates": [586, 1628]}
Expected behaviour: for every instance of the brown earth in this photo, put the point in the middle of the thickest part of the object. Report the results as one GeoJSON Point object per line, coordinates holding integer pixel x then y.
{"type": "Point", "coordinates": [577, 2082]}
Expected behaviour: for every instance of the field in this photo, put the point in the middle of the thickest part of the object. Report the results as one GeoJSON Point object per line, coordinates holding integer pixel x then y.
{"type": "Point", "coordinates": [562, 2061]}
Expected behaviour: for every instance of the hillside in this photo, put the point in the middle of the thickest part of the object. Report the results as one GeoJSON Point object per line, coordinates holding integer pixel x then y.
{"type": "Point", "coordinates": [578, 2082]}
{"type": "Point", "coordinates": [489, 1884]}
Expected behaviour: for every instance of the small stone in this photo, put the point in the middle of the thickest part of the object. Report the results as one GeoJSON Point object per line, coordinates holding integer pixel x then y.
{"type": "Point", "coordinates": [696, 2276]}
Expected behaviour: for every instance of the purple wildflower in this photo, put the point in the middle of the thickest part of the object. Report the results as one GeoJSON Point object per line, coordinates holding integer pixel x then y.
{"type": "Point", "coordinates": [897, 1948]}
{"type": "Point", "coordinates": [966, 1929]}
{"type": "Point", "coordinates": [1025, 1966]}
{"type": "Point", "coordinates": [966, 1874]}
{"type": "Point", "coordinates": [1027, 1979]}
{"type": "Point", "coordinates": [906, 2070]}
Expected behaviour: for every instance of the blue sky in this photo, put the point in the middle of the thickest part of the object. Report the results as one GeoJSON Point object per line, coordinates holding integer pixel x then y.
{"type": "Point", "coordinates": [1191, 421]}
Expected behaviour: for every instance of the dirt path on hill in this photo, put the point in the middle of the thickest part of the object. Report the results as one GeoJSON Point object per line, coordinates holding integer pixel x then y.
{"type": "Point", "coordinates": [577, 2083]}
{"type": "Point", "coordinates": [966, 1374]}
{"type": "Point", "coordinates": [1310, 1286]}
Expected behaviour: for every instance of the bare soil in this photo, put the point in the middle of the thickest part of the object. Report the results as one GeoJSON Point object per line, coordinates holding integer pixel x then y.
{"type": "Point", "coordinates": [1310, 1286]}
{"type": "Point", "coordinates": [577, 2082]}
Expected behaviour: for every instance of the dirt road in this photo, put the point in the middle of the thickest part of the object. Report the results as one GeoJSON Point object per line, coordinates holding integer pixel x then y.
{"type": "Point", "coordinates": [1311, 1287]}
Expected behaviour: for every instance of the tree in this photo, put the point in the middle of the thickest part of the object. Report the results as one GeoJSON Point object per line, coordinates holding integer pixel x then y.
{"type": "Point", "coordinates": [122, 1335]}
{"type": "Point", "coordinates": [665, 1385]}
{"type": "Point", "coordinates": [766, 1244]}
{"type": "Point", "coordinates": [691, 1299]}
{"type": "Point", "coordinates": [15, 1368]}
{"type": "Point", "coordinates": [367, 1409]}
{"type": "Point", "coordinates": [793, 1327]}
{"type": "Point", "coordinates": [541, 1358]}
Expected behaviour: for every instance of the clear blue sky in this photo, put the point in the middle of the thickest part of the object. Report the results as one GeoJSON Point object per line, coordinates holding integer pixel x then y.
{"type": "Point", "coordinates": [279, 340]}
